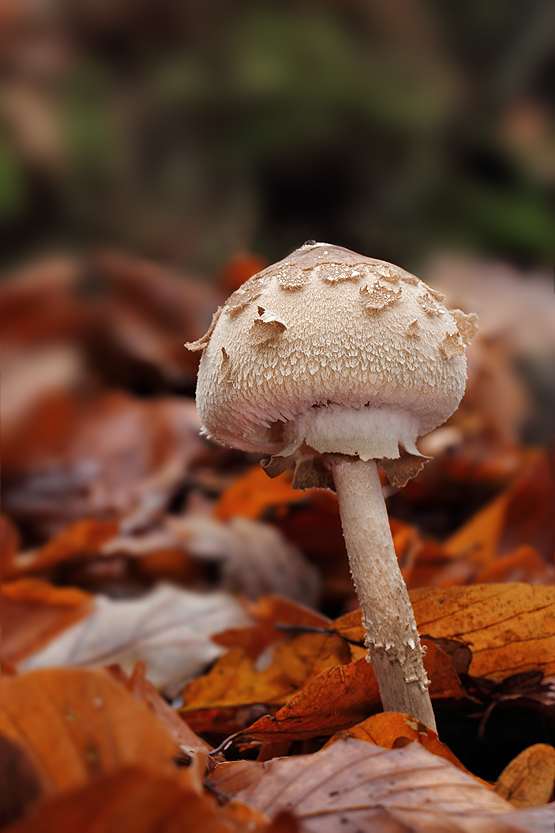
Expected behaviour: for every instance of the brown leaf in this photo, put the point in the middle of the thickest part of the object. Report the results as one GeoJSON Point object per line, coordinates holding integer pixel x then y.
{"type": "Point", "coordinates": [525, 564]}
{"type": "Point", "coordinates": [269, 612]}
{"type": "Point", "coordinates": [392, 730]}
{"type": "Point", "coordinates": [142, 689]}
{"type": "Point", "coordinates": [342, 696]}
{"type": "Point", "coordinates": [529, 779]}
{"type": "Point", "coordinates": [522, 515]}
{"type": "Point", "coordinates": [99, 455]}
{"type": "Point", "coordinates": [510, 628]}
{"type": "Point", "coordinates": [83, 539]}
{"type": "Point", "coordinates": [235, 681]}
{"type": "Point", "coordinates": [75, 724]}
{"type": "Point", "coordinates": [136, 800]}
{"type": "Point", "coordinates": [253, 494]}
{"type": "Point", "coordinates": [9, 545]}
{"type": "Point", "coordinates": [148, 314]}
{"type": "Point", "coordinates": [33, 612]}
{"type": "Point", "coordinates": [355, 785]}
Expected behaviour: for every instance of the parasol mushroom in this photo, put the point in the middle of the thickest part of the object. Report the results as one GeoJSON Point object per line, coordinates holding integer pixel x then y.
{"type": "Point", "coordinates": [335, 362]}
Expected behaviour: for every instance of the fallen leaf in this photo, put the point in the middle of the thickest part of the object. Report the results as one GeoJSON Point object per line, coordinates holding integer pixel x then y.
{"type": "Point", "coordinates": [146, 315]}
{"type": "Point", "coordinates": [37, 304]}
{"type": "Point", "coordinates": [239, 269]}
{"type": "Point", "coordinates": [143, 690]}
{"type": "Point", "coordinates": [253, 494]}
{"type": "Point", "coordinates": [529, 779]}
{"type": "Point", "coordinates": [510, 628]}
{"type": "Point", "coordinates": [75, 724]}
{"type": "Point", "coordinates": [341, 697]}
{"type": "Point", "coordinates": [355, 785]}
{"type": "Point", "coordinates": [276, 619]}
{"type": "Point", "coordinates": [136, 800]}
{"type": "Point", "coordinates": [523, 565]}
{"type": "Point", "coordinates": [168, 628]}
{"type": "Point", "coordinates": [9, 544]}
{"type": "Point", "coordinates": [392, 730]}
{"type": "Point", "coordinates": [521, 515]}
{"type": "Point", "coordinates": [236, 680]}
{"type": "Point", "coordinates": [34, 612]}
{"type": "Point", "coordinates": [98, 455]}
{"type": "Point", "coordinates": [83, 539]}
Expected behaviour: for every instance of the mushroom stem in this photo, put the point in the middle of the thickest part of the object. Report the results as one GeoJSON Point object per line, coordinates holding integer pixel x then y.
{"type": "Point", "coordinates": [391, 635]}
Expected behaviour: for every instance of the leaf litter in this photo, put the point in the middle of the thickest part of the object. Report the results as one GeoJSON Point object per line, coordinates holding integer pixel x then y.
{"type": "Point", "coordinates": [129, 542]}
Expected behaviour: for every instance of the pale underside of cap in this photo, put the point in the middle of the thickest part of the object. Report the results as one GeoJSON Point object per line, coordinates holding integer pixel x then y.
{"type": "Point", "coordinates": [330, 352]}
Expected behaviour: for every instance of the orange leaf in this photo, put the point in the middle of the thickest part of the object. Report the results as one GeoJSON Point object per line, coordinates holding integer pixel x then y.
{"type": "Point", "coordinates": [269, 611]}
{"type": "Point", "coordinates": [510, 628]}
{"type": "Point", "coordinates": [529, 779]}
{"type": "Point", "coordinates": [393, 731]}
{"type": "Point", "coordinates": [253, 494]}
{"type": "Point", "coordinates": [480, 537]}
{"type": "Point", "coordinates": [81, 539]}
{"type": "Point", "coordinates": [34, 612]}
{"type": "Point", "coordinates": [145, 692]}
{"type": "Point", "coordinates": [135, 800]}
{"type": "Point", "coordinates": [75, 724]}
{"type": "Point", "coordinates": [343, 696]}
{"type": "Point", "coordinates": [525, 564]}
{"type": "Point", "coordinates": [239, 269]}
{"type": "Point", "coordinates": [235, 681]}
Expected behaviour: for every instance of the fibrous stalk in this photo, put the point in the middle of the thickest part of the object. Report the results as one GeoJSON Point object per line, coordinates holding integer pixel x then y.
{"type": "Point", "coordinates": [391, 635]}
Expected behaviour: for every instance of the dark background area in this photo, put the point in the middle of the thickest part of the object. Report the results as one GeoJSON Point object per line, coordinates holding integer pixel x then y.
{"type": "Point", "coordinates": [186, 132]}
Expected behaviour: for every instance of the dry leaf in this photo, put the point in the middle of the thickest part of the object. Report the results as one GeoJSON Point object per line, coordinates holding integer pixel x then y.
{"type": "Point", "coordinates": [521, 515]}
{"type": "Point", "coordinates": [143, 690]}
{"type": "Point", "coordinates": [525, 564]}
{"type": "Point", "coordinates": [84, 539]}
{"type": "Point", "coordinates": [136, 800]}
{"type": "Point", "coordinates": [392, 730]}
{"type": "Point", "coordinates": [529, 779]}
{"type": "Point", "coordinates": [251, 495]}
{"type": "Point", "coordinates": [510, 628]}
{"type": "Point", "coordinates": [75, 724]}
{"type": "Point", "coordinates": [149, 311]}
{"type": "Point", "coordinates": [341, 697]}
{"type": "Point", "coordinates": [168, 628]}
{"type": "Point", "coordinates": [102, 455]}
{"type": "Point", "coordinates": [271, 613]}
{"type": "Point", "coordinates": [355, 785]}
{"type": "Point", "coordinates": [236, 680]}
{"type": "Point", "coordinates": [33, 612]}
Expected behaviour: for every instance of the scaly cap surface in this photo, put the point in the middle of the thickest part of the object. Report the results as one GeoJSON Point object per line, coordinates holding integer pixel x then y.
{"type": "Point", "coordinates": [331, 351]}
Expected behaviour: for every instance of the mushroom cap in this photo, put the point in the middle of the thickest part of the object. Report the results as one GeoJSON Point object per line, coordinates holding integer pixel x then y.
{"type": "Point", "coordinates": [334, 351]}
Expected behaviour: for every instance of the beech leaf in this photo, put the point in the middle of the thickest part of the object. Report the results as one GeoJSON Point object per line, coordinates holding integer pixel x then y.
{"type": "Point", "coordinates": [168, 628]}
{"type": "Point", "coordinates": [510, 628]}
{"type": "Point", "coordinates": [74, 724]}
{"type": "Point", "coordinates": [353, 785]}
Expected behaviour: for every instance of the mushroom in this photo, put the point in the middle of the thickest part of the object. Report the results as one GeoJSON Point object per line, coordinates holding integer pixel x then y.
{"type": "Point", "coordinates": [335, 362]}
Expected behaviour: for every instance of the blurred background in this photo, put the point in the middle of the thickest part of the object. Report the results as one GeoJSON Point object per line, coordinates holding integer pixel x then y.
{"type": "Point", "coordinates": [187, 132]}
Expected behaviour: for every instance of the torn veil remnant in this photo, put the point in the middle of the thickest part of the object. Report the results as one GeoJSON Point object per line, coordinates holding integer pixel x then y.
{"type": "Point", "coordinates": [336, 362]}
